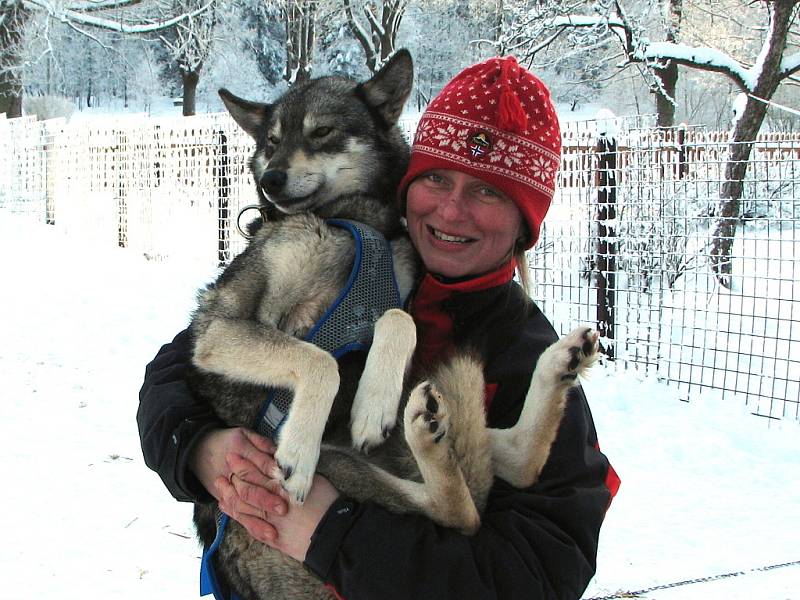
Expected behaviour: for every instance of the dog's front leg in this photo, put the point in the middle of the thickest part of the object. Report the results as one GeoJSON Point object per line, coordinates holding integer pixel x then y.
{"type": "Point", "coordinates": [258, 354]}
{"type": "Point", "coordinates": [377, 400]}
{"type": "Point", "coordinates": [520, 452]}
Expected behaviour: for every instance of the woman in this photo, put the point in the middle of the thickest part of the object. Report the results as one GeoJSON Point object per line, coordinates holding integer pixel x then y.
{"type": "Point", "coordinates": [480, 181]}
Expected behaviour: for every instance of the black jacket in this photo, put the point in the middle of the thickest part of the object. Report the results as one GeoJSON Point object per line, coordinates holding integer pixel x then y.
{"type": "Point", "coordinates": [534, 543]}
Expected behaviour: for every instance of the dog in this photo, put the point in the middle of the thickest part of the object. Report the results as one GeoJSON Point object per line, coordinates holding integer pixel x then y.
{"type": "Point", "coordinates": [330, 148]}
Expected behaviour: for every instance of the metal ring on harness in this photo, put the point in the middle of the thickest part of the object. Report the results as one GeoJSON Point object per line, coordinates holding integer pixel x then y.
{"type": "Point", "coordinates": [261, 209]}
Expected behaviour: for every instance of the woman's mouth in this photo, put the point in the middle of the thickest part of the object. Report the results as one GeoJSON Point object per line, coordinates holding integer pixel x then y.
{"type": "Point", "coordinates": [445, 237]}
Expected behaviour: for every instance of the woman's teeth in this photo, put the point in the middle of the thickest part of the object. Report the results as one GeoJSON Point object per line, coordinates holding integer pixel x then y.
{"type": "Point", "coordinates": [448, 238]}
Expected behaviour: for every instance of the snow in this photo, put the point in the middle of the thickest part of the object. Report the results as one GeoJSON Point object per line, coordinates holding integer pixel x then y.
{"type": "Point", "coordinates": [707, 489]}
{"type": "Point", "coordinates": [607, 125]}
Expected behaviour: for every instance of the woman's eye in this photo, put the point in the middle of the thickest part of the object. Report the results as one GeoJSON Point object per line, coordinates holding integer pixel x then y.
{"type": "Point", "coordinates": [434, 178]}
{"type": "Point", "coordinates": [321, 132]}
{"type": "Point", "coordinates": [487, 193]}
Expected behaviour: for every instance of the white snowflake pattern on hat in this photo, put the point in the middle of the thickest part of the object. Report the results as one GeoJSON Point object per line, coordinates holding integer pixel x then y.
{"type": "Point", "coordinates": [515, 156]}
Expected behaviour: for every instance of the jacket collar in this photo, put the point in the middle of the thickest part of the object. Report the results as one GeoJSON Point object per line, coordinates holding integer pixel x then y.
{"type": "Point", "coordinates": [437, 287]}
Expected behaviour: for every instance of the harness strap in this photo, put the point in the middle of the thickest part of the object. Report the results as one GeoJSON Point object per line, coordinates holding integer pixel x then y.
{"type": "Point", "coordinates": [348, 325]}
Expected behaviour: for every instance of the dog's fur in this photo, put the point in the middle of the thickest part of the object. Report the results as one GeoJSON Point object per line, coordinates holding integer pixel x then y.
{"type": "Point", "coordinates": [331, 148]}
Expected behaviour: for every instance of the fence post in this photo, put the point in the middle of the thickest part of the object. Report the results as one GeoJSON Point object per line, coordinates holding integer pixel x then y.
{"type": "Point", "coordinates": [606, 260]}
{"type": "Point", "coordinates": [49, 185]}
{"type": "Point", "coordinates": [683, 162]}
{"type": "Point", "coordinates": [121, 158]}
{"type": "Point", "coordinates": [223, 193]}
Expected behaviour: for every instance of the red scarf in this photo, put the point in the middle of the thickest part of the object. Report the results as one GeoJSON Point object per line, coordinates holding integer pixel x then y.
{"type": "Point", "coordinates": [435, 325]}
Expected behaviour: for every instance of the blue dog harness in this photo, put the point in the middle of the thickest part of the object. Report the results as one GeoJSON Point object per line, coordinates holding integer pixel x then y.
{"type": "Point", "coordinates": [348, 325]}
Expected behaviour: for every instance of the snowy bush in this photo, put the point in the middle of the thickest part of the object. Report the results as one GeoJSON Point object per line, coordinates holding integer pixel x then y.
{"type": "Point", "coordinates": [48, 107]}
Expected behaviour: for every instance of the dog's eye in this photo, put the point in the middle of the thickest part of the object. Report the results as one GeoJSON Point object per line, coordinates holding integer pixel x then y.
{"type": "Point", "coordinates": [321, 132]}
{"type": "Point", "coordinates": [273, 140]}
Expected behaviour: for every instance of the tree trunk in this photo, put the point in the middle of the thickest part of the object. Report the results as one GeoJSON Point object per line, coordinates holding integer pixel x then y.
{"type": "Point", "coordinates": [300, 33]}
{"type": "Point", "coordinates": [13, 19]}
{"type": "Point", "coordinates": [672, 11]}
{"type": "Point", "coordinates": [742, 140]}
{"type": "Point", "coordinates": [190, 80]}
{"type": "Point", "coordinates": [377, 39]}
{"type": "Point", "coordinates": [727, 213]}
{"type": "Point", "coordinates": [665, 95]}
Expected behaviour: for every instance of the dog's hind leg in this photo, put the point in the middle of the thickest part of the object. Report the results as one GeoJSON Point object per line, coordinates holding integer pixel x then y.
{"type": "Point", "coordinates": [258, 354]}
{"type": "Point", "coordinates": [380, 388]}
{"type": "Point", "coordinates": [520, 452]}
{"type": "Point", "coordinates": [433, 424]}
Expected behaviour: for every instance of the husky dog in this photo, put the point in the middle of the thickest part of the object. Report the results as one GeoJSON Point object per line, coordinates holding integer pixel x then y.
{"type": "Point", "coordinates": [330, 148]}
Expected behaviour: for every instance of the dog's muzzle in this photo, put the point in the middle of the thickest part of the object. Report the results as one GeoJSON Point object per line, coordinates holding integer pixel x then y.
{"type": "Point", "coordinates": [273, 181]}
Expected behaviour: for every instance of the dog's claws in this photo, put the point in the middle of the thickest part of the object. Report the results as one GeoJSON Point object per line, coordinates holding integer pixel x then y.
{"type": "Point", "coordinates": [299, 497]}
{"type": "Point", "coordinates": [431, 405]}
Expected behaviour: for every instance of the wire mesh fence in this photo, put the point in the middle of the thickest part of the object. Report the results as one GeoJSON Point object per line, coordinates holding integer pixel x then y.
{"type": "Point", "coordinates": [626, 246]}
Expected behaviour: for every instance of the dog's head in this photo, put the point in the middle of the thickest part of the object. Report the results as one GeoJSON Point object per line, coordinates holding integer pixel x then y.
{"type": "Point", "coordinates": [328, 138]}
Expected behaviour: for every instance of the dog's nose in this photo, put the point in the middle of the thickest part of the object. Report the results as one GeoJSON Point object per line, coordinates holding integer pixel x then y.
{"type": "Point", "coordinates": [273, 180]}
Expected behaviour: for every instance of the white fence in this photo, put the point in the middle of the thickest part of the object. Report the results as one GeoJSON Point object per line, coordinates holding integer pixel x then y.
{"type": "Point", "coordinates": [171, 188]}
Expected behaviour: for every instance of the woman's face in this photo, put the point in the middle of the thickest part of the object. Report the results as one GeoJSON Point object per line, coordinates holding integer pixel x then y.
{"type": "Point", "coordinates": [460, 225]}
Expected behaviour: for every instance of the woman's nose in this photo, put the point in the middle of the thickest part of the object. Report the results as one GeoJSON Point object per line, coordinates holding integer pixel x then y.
{"type": "Point", "coordinates": [451, 207]}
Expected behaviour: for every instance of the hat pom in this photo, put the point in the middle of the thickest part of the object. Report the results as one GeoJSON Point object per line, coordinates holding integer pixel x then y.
{"type": "Point", "coordinates": [511, 115]}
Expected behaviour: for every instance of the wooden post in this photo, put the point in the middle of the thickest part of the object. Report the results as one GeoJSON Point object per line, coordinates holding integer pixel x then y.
{"type": "Point", "coordinates": [683, 163]}
{"type": "Point", "coordinates": [121, 156]}
{"type": "Point", "coordinates": [606, 259]}
{"type": "Point", "coordinates": [223, 195]}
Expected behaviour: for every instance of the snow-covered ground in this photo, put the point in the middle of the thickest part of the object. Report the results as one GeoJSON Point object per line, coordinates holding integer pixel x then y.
{"type": "Point", "coordinates": [707, 488]}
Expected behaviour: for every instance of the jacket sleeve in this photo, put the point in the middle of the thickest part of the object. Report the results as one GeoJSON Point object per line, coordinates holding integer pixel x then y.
{"type": "Point", "coordinates": [171, 420]}
{"type": "Point", "coordinates": [535, 543]}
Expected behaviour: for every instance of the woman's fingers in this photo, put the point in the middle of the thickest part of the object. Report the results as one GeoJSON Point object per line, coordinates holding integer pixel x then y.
{"type": "Point", "coordinates": [263, 444]}
{"type": "Point", "coordinates": [258, 450]}
{"type": "Point", "coordinates": [263, 495]}
{"type": "Point", "coordinates": [254, 521]}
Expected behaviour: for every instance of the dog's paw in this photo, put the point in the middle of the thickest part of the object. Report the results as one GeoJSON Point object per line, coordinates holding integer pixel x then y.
{"type": "Point", "coordinates": [297, 462]}
{"type": "Point", "coordinates": [426, 417]}
{"type": "Point", "coordinates": [569, 357]}
{"type": "Point", "coordinates": [371, 424]}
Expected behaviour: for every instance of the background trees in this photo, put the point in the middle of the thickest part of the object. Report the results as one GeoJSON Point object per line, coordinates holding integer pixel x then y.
{"type": "Point", "coordinates": [20, 17]}
{"type": "Point", "coordinates": [619, 54]}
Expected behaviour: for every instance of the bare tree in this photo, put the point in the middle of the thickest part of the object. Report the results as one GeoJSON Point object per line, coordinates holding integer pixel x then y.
{"type": "Point", "coordinates": [666, 72]}
{"type": "Point", "coordinates": [189, 43]}
{"type": "Point", "coordinates": [377, 33]}
{"type": "Point", "coordinates": [594, 33]}
{"type": "Point", "coordinates": [124, 16]}
{"type": "Point", "coordinates": [13, 18]}
{"type": "Point", "coordinates": [758, 77]}
{"type": "Point", "coordinates": [300, 17]}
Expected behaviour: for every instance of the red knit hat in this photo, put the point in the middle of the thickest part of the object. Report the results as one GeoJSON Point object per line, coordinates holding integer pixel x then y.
{"type": "Point", "coordinates": [494, 121]}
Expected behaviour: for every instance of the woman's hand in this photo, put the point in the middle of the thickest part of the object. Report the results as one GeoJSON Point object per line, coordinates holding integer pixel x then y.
{"type": "Point", "coordinates": [295, 528]}
{"type": "Point", "coordinates": [234, 465]}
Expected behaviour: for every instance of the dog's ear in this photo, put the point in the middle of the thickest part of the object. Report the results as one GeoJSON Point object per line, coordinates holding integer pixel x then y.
{"type": "Point", "coordinates": [389, 88]}
{"type": "Point", "coordinates": [250, 116]}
